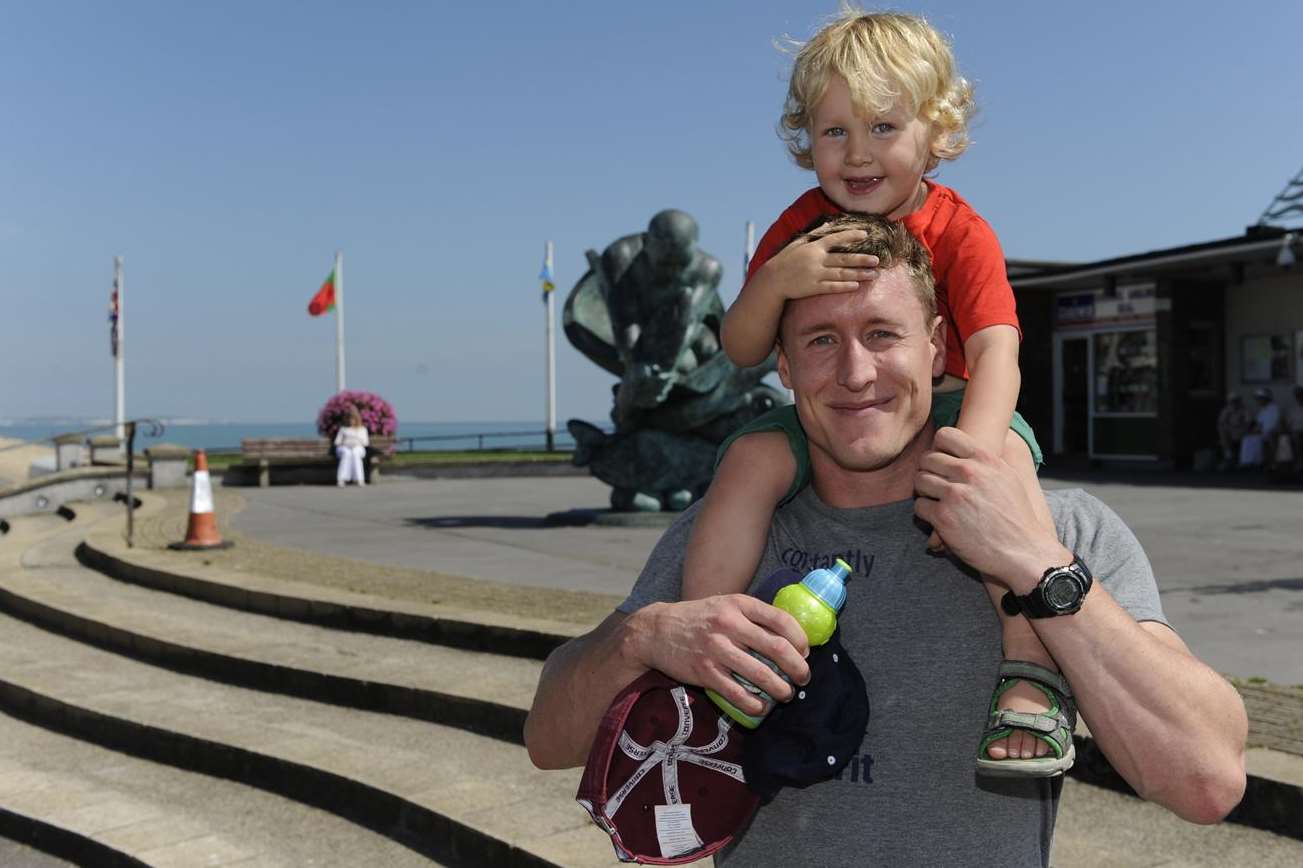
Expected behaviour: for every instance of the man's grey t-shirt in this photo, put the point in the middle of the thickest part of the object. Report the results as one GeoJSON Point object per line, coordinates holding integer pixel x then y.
{"type": "Point", "coordinates": [924, 634]}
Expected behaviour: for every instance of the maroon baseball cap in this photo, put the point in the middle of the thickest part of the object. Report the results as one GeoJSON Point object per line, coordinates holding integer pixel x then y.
{"type": "Point", "coordinates": [664, 778]}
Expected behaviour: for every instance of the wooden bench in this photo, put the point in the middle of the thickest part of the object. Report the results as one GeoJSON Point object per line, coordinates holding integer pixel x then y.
{"type": "Point", "coordinates": [309, 459]}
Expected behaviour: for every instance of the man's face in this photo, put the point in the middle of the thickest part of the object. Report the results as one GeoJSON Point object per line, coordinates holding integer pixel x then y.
{"type": "Point", "coordinates": [861, 366]}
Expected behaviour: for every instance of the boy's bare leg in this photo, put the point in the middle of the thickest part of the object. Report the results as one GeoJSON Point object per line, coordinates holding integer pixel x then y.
{"type": "Point", "coordinates": [1019, 637]}
{"type": "Point", "coordinates": [729, 533]}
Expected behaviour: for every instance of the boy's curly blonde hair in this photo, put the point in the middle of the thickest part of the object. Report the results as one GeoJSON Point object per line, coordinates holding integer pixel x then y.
{"type": "Point", "coordinates": [886, 58]}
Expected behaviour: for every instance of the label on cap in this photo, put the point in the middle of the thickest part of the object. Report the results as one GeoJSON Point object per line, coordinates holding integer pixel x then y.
{"type": "Point", "coordinates": [674, 830]}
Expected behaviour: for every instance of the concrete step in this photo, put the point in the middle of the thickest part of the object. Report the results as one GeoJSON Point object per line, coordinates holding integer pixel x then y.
{"type": "Point", "coordinates": [24, 530]}
{"type": "Point", "coordinates": [480, 692]}
{"type": "Point", "coordinates": [16, 855]}
{"type": "Point", "coordinates": [445, 793]}
{"type": "Point", "coordinates": [493, 632]}
{"type": "Point", "coordinates": [98, 807]}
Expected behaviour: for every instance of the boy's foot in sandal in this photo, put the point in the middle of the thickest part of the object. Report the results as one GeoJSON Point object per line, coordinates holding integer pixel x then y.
{"type": "Point", "coordinates": [1029, 732]}
{"type": "Point", "coordinates": [1025, 697]}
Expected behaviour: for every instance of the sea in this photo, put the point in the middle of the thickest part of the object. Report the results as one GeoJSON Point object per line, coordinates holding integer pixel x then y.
{"type": "Point", "coordinates": [225, 436]}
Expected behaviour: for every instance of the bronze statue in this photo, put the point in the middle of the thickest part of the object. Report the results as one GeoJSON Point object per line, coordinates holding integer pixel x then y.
{"type": "Point", "coordinates": [647, 310]}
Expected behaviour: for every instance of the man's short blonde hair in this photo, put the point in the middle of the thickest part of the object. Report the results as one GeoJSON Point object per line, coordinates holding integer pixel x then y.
{"type": "Point", "coordinates": [887, 58]}
{"type": "Point", "coordinates": [888, 240]}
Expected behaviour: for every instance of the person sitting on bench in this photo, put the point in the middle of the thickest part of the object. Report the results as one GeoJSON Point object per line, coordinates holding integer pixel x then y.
{"type": "Point", "coordinates": [350, 445]}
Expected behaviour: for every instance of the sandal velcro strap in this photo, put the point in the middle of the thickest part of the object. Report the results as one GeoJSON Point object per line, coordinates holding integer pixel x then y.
{"type": "Point", "coordinates": [1030, 721]}
{"type": "Point", "coordinates": [1039, 674]}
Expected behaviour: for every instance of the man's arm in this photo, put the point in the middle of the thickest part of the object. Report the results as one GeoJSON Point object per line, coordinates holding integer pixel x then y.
{"type": "Point", "coordinates": [700, 642]}
{"type": "Point", "coordinates": [579, 681]}
{"type": "Point", "coordinates": [1170, 725]}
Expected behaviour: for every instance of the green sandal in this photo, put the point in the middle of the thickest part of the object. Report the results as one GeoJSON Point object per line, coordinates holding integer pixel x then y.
{"type": "Point", "coordinates": [1053, 726]}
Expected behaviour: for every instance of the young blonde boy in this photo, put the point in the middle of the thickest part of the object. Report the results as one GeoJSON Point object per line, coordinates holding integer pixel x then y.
{"type": "Point", "coordinates": [875, 104]}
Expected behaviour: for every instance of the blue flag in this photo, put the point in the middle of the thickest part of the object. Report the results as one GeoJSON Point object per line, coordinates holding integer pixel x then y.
{"type": "Point", "coordinates": [549, 281]}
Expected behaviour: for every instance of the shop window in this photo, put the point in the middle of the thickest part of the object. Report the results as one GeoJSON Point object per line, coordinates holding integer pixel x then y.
{"type": "Point", "coordinates": [1265, 358]}
{"type": "Point", "coordinates": [1126, 372]}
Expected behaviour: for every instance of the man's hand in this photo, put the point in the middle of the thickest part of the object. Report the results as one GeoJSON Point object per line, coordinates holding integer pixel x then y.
{"type": "Point", "coordinates": [704, 642]}
{"type": "Point", "coordinates": [812, 268]}
{"type": "Point", "coordinates": [974, 500]}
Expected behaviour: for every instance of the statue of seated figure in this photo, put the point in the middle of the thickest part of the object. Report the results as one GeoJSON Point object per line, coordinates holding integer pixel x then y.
{"type": "Point", "coordinates": [649, 312]}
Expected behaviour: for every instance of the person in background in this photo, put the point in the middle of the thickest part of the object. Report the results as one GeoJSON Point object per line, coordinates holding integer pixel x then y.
{"type": "Point", "coordinates": [1232, 425]}
{"type": "Point", "coordinates": [1294, 424]}
{"type": "Point", "coordinates": [351, 442]}
{"type": "Point", "coordinates": [1256, 449]}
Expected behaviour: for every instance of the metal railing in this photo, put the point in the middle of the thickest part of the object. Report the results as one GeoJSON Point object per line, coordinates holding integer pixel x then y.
{"type": "Point", "coordinates": [479, 437]}
{"type": "Point", "coordinates": [409, 444]}
{"type": "Point", "coordinates": [155, 429]}
{"type": "Point", "coordinates": [401, 444]}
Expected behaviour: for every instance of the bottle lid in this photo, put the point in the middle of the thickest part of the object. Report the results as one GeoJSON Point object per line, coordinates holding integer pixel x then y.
{"type": "Point", "coordinates": [829, 585]}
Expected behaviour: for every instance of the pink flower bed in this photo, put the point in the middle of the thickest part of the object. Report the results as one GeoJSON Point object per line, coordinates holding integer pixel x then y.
{"type": "Point", "coordinates": [377, 414]}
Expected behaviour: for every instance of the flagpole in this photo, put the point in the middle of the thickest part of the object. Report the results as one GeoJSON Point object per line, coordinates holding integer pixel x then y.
{"type": "Point", "coordinates": [339, 321]}
{"type": "Point", "coordinates": [551, 361]}
{"type": "Point", "coordinates": [119, 366]}
{"type": "Point", "coordinates": [749, 251]}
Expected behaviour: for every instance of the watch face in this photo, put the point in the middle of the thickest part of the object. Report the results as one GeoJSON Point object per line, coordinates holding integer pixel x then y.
{"type": "Point", "coordinates": [1062, 593]}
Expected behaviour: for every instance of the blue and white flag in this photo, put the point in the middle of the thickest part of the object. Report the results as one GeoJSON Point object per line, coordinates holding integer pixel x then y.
{"type": "Point", "coordinates": [549, 281]}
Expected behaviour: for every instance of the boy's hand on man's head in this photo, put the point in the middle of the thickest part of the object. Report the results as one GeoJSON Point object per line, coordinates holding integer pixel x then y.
{"type": "Point", "coordinates": [812, 267]}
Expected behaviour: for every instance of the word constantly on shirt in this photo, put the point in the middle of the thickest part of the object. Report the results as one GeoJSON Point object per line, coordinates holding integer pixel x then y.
{"type": "Point", "coordinates": [860, 561]}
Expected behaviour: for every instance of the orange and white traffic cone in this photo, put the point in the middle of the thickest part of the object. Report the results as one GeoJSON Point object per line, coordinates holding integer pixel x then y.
{"type": "Point", "coordinates": [201, 531]}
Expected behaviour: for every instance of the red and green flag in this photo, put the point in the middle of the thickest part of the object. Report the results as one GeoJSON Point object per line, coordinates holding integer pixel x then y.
{"type": "Point", "coordinates": [324, 300]}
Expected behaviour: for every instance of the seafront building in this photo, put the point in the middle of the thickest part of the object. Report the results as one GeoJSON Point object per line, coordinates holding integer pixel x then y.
{"type": "Point", "coordinates": [1130, 358]}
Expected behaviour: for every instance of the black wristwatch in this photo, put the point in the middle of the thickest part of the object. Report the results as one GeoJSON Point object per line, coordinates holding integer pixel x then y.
{"type": "Point", "coordinates": [1060, 591]}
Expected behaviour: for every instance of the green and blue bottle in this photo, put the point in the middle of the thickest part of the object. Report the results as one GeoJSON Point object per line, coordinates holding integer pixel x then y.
{"type": "Point", "coordinates": [814, 602]}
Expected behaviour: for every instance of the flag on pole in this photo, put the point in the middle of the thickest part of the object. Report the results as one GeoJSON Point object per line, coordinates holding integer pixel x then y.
{"type": "Point", "coordinates": [113, 319]}
{"type": "Point", "coordinates": [324, 300]}
{"type": "Point", "coordinates": [549, 281]}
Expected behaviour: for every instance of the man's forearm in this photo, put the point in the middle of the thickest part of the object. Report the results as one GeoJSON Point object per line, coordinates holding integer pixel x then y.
{"type": "Point", "coordinates": [579, 681]}
{"type": "Point", "coordinates": [1170, 725]}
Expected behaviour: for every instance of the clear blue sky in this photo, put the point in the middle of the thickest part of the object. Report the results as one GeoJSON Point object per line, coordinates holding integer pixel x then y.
{"type": "Point", "coordinates": [227, 149]}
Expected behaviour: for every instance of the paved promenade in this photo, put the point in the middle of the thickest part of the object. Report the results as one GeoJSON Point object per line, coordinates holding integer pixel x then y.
{"type": "Point", "coordinates": [1229, 561]}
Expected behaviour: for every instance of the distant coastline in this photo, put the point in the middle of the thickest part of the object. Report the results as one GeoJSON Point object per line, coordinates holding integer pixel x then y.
{"type": "Point", "coordinates": [226, 435]}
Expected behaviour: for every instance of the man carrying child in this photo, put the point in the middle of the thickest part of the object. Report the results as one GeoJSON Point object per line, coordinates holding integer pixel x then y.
{"type": "Point", "coordinates": [861, 365]}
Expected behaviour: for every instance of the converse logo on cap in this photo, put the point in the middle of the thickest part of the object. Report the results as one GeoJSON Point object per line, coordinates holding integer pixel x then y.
{"type": "Point", "coordinates": [668, 755]}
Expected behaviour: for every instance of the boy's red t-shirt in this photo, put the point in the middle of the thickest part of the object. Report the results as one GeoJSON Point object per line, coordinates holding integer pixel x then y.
{"type": "Point", "coordinates": [973, 290]}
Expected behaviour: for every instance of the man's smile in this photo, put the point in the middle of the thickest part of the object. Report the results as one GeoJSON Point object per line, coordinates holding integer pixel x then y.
{"type": "Point", "coordinates": [860, 407]}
